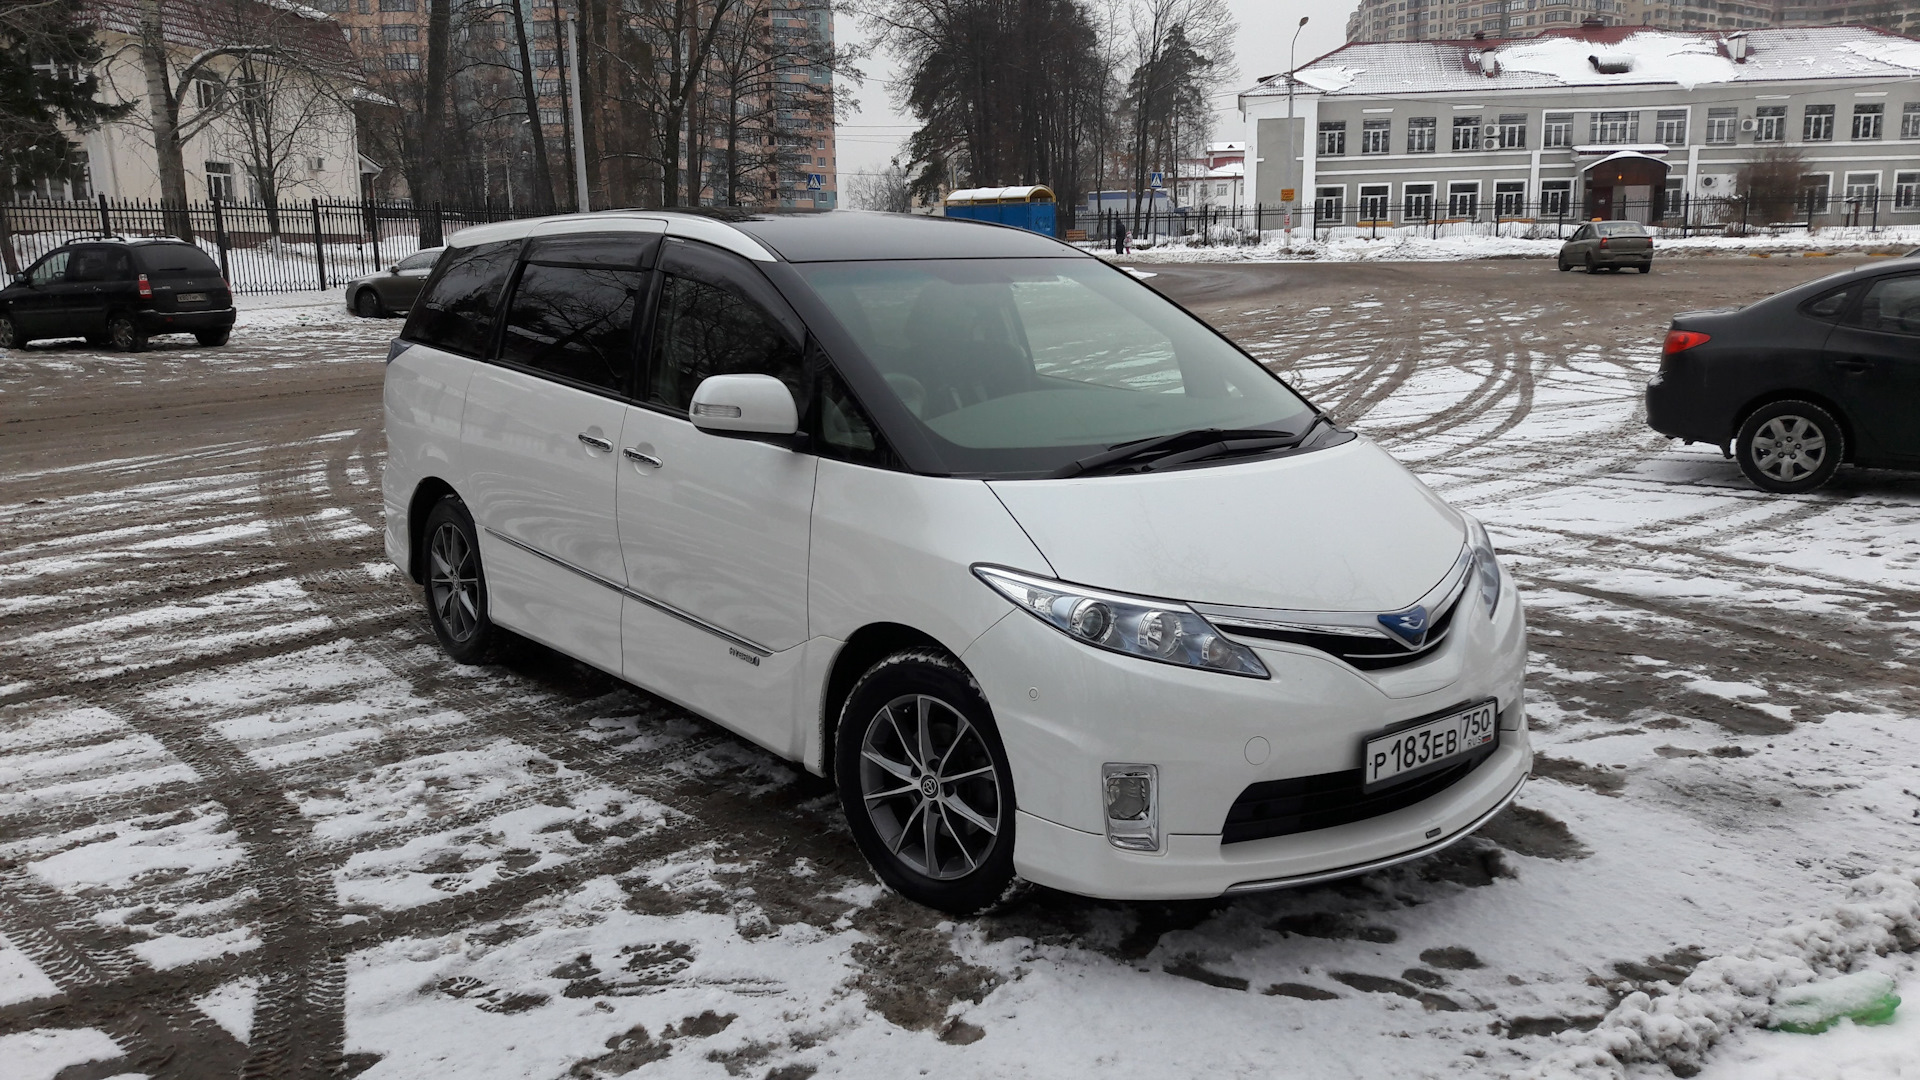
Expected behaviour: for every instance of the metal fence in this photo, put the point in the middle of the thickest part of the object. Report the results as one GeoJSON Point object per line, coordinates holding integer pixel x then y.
{"type": "Point", "coordinates": [260, 248]}
{"type": "Point", "coordinates": [1458, 214]}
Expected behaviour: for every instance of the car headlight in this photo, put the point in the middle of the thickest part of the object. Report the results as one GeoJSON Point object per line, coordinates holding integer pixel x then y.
{"type": "Point", "coordinates": [1171, 633]}
{"type": "Point", "coordinates": [1486, 568]}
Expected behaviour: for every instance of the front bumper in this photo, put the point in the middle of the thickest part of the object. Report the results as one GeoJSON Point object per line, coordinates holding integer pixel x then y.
{"type": "Point", "coordinates": [184, 322]}
{"type": "Point", "coordinates": [1064, 709]}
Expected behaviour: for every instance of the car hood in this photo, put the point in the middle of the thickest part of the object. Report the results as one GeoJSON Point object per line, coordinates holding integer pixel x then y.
{"type": "Point", "coordinates": [1342, 529]}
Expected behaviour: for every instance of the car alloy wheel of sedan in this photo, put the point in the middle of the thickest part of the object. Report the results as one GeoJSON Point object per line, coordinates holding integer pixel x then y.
{"type": "Point", "coordinates": [1789, 448]}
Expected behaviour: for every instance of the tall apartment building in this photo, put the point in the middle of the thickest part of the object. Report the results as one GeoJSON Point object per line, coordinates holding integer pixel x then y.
{"type": "Point", "coordinates": [1442, 20]}
{"type": "Point", "coordinates": [389, 37]}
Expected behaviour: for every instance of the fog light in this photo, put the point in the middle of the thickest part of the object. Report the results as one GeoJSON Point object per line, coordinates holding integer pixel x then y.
{"type": "Point", "coordinates": [1132, 799]}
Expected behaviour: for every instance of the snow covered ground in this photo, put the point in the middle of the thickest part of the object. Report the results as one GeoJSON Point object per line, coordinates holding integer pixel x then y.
{"type": "Point", "coordinates": [251, 818]}
{"type": "Point", "coordinates": [1512, 240]}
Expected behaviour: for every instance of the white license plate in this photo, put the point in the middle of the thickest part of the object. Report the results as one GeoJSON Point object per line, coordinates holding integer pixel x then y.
{"type": "Point", "coordinates": [1423, 747]}
{"type": "Point", "coordinates": [192, 298]}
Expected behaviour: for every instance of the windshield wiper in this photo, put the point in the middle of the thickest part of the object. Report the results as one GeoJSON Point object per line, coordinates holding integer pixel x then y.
{"type": "Point", "coordinates": [1181, 445]}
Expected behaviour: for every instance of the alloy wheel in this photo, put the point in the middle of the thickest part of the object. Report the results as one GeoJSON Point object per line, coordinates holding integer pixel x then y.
{"type": "Point", "coordinates": [453, 582]}
{"type": "Point", "coordinates": [9, 334]}
{"type": "Point", "coordinates": [1788, 448]}
{"type": "Point", "coordinates": [121, 333]}
{"type": "Point", "coordinates": [929, 786]}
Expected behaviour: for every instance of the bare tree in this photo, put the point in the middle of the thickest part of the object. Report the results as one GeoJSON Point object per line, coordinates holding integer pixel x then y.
{"type": "Point", "coordinates": [1182, 50]}
{"type": "Point", "coordinates": [890, 190]}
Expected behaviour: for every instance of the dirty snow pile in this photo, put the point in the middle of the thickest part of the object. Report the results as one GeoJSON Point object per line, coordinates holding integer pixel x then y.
{"type": "Point", "coordinates": [1738, 990]}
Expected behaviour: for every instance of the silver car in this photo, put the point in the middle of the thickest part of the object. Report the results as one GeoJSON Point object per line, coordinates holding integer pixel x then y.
{"type": "Point", "coordinates": [394, 289]}
{"type": "Point", "coordinates": [1608, 245]}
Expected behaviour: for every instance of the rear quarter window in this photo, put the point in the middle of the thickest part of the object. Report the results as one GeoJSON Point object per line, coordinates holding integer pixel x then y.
{"type": "Point", "coordinates": [169, 261]}
{"type": "Point", "coordinates": [456, 311]}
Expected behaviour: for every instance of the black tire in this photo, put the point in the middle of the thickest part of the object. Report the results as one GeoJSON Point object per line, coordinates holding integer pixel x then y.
{"type": "Point", "coordinates": [10, 335]}
{"type": "Point", "coordinates": [456, 585]}
{"type": "Point", "coordinates": [1646, 268]}
{"type": "Point", "coordinates": [971, 866]}
{"type": "Point", "coordinates": [213, 339]}
{"type": "Point", "coordinates": [1565, 266]}
{"type": "Point", "coordinates": [1790, 447]}
{"type": "Point", "coordinates": [124, 334]}
{"type": "Point", "coordinates": [1591, 269]}
{"type": "Point", "coordinates": [367, 305]}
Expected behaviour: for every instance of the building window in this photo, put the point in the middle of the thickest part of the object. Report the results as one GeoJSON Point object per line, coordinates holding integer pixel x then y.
{"type": "Point", "coordinates": [1420, 135]}
{"type": "Point", "coordinates": [1863, 190]}
{"type": "Point", "coordinates": [1373, 202]}
{"type": "Point", "coordinates": [400, 32]}
{"type": "Point", "coordinates": [1329, 204]}
{"type": "Point", "coordinates": [550, 117]}
{"type": "Point", "coordinates": [1770, 123]}
{"type": "Point", "coordinates": [1466, 133]}
{"type": "Point", "coordinates": [1417, 202]}
{"type": "Point", "coordinates": [1818, 124]}
{"type": "Point", "coordinates": [1866, 120]}
{"type": "Point", "coordinates": [546, 87]}
{"type": "Point", "coordinates": [1513, 131]}
{"type": "Point", "coordinates": [1814, 189]}
{"type": "Point", "coordinates": [220, 181]}
{"type": "Point", "coordinates": [1674, 198]}
{"type": "Point", "coordinates": [1723, 125]}
{"type": "Point", "coordinates": [1509, 198]}
{"type": "Point", "coordinates": [544, 58]}
{"type": "Point", "coordinates": [79, 175]}
{"type": "Point", "coordinates": [1670, 127]}
{"type": "Point", "coordinates": [1906, 191]}
{"type": "Point", "coordinates": [1463, 199]}
{"type": "Point", "coordinates": [1218, 189]}
{"type": "Point", "coordinates": [403, 61]}
{"type": "Point", "coordinates": [1376, 136]}
{"type": "Point", "coordinates": [1910, 120]}
{"type": "Point", "coordinates": [1555, 196]}
{"type": "Point", "coordinates": [1610, 128]}
{"type": "Point", "coordinates": [206, 93]}
{"type": "Point", "coordinates": [1558, 130]}
{"type": "Point", "coordinates": [1333, 138]}
{"type": "Point", "coordinates": [399, 5]}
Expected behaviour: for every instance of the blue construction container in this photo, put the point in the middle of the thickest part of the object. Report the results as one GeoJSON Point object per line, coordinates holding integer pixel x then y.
{"type": "Point", "coordinates": [1029, 208]}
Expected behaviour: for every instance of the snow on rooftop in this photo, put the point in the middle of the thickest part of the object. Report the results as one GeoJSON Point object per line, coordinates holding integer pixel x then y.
{"type": "Point", "coordinates": [1656, 57]}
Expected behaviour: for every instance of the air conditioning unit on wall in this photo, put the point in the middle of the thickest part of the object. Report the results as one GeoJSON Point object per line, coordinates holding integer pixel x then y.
{"type": "Point", "coordinates": [1491, 130]}
{"type": "Point", "coordinates": [1716, 184]}
{"type": "Point", "coordinates": [1747, 125]}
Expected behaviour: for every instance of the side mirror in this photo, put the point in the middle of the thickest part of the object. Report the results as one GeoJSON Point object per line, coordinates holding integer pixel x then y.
{"type": "Point", "coordinates": [394, 269]}
{"type": "Point", "coordinates": [744, 405]}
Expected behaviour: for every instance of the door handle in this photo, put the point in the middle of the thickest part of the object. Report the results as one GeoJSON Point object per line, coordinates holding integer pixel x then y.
{"type": "Point", "coordinates": [1853, 363]}
{"type": "Point", "coordinates": [596, 442]}
{"type": "Point", "coordinates": [644, 459]}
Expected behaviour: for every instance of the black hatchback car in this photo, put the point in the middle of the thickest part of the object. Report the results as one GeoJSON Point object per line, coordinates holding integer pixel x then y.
{"type": "Point", "coordinates": [119, 292]}
{"type": "Point", "coordinates": [1794, 385]}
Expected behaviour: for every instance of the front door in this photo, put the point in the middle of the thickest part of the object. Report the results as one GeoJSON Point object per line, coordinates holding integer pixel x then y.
{"type": "Point", "coordinates": [37, 309]}
{"type": "Point", "coordinates": [541, 434]}
{"type": "Point", "coordinates": [1874, 354]}
{"type": "Point", "coordinates": [715, 529]}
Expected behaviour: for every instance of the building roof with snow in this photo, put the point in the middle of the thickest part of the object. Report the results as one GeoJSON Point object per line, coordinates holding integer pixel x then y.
{"type": "Point", "coordinates": [1613, 57]}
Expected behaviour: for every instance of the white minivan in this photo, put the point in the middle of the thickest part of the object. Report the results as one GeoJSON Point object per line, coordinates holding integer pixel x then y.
{"type": "Point", "coordinates": [1048, 576]}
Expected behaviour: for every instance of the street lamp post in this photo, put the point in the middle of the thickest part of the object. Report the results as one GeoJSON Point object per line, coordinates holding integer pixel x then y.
{"type": "Point", "coordinates": [1288, 174]}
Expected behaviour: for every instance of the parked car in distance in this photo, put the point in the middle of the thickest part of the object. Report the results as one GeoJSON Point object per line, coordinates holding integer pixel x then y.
{"type": "Point", "coordinates": [1796, 384]}
{"type": "Point", "coordinates": [1047, 575]}
{"type": "Point", "coordinates": [1608, 245]}
{"type": "Point", "coordinates": [116, 291]}
{"type": "Point", "coordinates": [393, 290]}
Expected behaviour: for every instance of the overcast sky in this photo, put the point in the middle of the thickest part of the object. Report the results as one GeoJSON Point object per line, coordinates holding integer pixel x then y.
{"type": "Point", "coordinates": [876, 133]}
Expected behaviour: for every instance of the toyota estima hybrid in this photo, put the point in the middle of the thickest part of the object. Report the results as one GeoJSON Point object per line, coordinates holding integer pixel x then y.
{"type": "Point", "coordinates": [1049, 577]}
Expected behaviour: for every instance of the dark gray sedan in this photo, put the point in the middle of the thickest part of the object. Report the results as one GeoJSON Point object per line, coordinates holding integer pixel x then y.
{"type": "Point", "coordinates": [391, 290]}
{"type": "Point", "coordinates": [1608, 245]}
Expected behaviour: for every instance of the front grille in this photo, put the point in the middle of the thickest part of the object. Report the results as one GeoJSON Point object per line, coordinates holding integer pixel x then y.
{"type": "Point", "coordinates": [1305, 803]}
{"type": "Point", "coordinates": [1368, 652]}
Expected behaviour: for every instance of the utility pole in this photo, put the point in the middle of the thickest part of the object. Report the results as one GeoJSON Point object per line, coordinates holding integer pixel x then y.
{"type": "Point", "coordinates": [578, 135]}
{"type": "Point", "coordinates": [1288, 181]}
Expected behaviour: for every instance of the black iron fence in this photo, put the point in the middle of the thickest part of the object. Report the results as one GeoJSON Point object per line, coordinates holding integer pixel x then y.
{"type": "Point", "coordinates": [1555, 216]}
{"type": "Point", "coordinates": [261, 248]}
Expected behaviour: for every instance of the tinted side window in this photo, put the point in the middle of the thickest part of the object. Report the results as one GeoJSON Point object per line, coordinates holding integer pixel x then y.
{"type": "Point", "coordinates": [165, 261]}
{"type": "Point", "coordinates": [421, 261]}
{"type": "Point", "coordinates": [99, 264]}
{"type": "Point", "coordinates": [1891, 306]}
{"type": "Point", "coordinates": [456, 314]}
{"type": "Point", "coordinates": [1829, 306]}
{"type": "Point", "coordinates": [704, 330]}
{"type": "Point", "coordinates": [574, 322]}
{"type": "Point", "coordinates": [50, 269]}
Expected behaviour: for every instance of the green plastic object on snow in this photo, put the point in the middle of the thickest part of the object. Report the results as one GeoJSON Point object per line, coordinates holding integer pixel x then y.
{"type": "Point", "coordinates": [1865, 997]}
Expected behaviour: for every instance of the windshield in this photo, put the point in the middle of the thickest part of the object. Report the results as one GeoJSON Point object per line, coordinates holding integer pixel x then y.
{"type": "Point", "coordinates": [1020, 367]}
